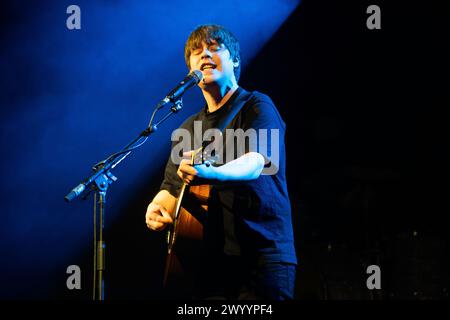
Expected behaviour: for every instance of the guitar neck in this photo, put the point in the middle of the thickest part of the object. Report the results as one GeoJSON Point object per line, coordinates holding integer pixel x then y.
{"type": "Point", "coordinates": [179, 200]}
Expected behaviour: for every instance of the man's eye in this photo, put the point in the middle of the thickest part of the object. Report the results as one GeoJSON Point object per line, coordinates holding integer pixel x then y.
{"type": "Point", "coordinates": [196, 51]}
{"type": "Point", "coordinates": [214, 48]}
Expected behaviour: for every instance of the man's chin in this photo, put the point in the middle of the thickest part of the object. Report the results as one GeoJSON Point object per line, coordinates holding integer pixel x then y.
{"type": "Point", "coordinates": [208, 80]}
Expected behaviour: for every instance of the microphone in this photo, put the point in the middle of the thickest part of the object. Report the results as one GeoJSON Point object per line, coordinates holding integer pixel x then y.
{"type": "Point", "coordinates": [75, 192]}
{"type": "Point", "coordinates": [191, 79]}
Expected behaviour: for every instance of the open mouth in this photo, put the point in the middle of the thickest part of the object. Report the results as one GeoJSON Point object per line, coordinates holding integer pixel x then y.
{"type": "Point", "coordinates": [207, 66]}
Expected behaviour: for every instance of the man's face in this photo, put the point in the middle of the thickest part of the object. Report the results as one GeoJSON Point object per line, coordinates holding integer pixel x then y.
{"type": "Point", "coordinates": [214, 61]}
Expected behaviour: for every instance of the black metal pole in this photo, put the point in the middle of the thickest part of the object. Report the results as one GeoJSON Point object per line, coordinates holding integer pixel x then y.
{"type": "Point", "coordinates": [101, 247]}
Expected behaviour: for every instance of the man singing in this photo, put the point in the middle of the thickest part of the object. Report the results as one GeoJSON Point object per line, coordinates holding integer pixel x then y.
{"type": "Point", "coordinates": [248, 249]}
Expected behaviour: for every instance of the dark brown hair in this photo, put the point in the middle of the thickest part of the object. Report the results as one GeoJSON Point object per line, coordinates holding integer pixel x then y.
{"type": "Point", "coordinates": [211, 32]}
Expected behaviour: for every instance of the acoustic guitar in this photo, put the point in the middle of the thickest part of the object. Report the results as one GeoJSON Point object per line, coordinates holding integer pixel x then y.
{"type": "Point", "coordinates": [185, 235]}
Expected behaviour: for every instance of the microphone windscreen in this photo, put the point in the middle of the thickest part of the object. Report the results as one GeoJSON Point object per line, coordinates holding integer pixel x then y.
{"type": "Point", "coordinates": [198, 75]}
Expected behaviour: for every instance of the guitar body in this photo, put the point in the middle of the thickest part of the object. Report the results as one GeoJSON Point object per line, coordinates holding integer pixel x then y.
{"type": "Point", "coordinates": [185, 240]}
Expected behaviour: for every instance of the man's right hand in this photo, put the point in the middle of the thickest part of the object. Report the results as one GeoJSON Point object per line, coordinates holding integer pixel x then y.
{"type": "Point", "coordinates": [157, 217]}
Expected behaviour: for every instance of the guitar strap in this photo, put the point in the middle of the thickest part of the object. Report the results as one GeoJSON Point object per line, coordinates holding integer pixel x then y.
{"type": "Point", "coordinates": [234, 110]}
{"type": "Point", "coordinates": [243, 97]}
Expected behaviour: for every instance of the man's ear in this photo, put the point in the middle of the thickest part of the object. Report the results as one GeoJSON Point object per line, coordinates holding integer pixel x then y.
{"type": "Point", "coordinates": [236, 63]}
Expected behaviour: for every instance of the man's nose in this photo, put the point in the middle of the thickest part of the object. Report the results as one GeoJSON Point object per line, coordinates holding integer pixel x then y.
{"type": "Point", "coordinates": [206, 53]}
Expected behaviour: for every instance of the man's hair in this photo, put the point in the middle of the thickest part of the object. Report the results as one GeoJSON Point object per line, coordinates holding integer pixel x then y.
{"type": "Point", "coordinates": [211, 32]}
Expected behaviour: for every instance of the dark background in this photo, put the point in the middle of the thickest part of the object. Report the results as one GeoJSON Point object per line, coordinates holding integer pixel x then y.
{"type": "Point", "coordinates": [366, 160]}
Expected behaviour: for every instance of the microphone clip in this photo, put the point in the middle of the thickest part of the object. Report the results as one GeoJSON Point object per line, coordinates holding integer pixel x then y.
{"type": "Point", "coordinates": [177, 105]}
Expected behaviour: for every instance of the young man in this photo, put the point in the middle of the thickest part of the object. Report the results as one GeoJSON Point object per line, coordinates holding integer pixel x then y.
{"type": "Point", "coordinates": [248, 246]}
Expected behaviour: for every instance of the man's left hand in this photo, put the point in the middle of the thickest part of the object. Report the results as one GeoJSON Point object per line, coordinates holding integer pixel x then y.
{"type": "Point", "coordinates": [195, 174]}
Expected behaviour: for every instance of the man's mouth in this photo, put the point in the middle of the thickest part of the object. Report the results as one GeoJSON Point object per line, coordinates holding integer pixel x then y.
{"type": "Point", "coordinates": [207, 66]}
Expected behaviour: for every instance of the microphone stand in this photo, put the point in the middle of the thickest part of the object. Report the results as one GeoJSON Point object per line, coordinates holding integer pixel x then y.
{"type": "Point", "coordinates": [99, 182]}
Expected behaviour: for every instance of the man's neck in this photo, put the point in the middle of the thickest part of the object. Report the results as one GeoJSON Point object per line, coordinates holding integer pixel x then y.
{"type": "Point", "coordinates": [217, 96]}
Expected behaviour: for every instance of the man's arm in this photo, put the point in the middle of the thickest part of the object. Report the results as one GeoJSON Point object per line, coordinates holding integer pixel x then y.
{"type": "Point", "coordinates": [247, 167]}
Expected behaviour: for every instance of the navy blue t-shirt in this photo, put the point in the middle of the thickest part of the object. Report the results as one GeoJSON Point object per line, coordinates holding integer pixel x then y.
{"type": "Point", "coordinates": [251, 218]}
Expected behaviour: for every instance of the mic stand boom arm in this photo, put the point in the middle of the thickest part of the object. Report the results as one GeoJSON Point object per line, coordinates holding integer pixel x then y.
{"type": "Point", "coordinates": [99, 182]}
